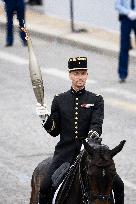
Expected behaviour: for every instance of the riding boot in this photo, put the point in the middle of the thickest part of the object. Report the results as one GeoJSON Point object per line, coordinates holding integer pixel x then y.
{"type": "Point", "coordinates": [42, 199]}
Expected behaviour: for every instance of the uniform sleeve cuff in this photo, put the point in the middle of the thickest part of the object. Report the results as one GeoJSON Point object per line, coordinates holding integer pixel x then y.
{"type": "Point", "coordinates": [93, 132]}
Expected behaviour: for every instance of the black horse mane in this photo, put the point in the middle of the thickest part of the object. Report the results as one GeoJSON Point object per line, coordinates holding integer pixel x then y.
{"type": "Point", "coordinates": [69, 178]}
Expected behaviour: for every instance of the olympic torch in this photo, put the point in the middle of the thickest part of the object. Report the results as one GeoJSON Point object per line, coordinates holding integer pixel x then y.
{"type": "Point", "coordinates": [35, 71]}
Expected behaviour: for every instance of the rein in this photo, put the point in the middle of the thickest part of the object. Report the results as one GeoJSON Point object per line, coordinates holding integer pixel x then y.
{"type": "Point", "coordinates": [84, 189]}
{"type": "Point", "coordinates": [69, 179]}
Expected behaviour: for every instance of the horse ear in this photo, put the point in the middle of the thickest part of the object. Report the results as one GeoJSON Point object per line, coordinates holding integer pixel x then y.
{"type": "Point", "coordinates": [118, 148]}
{"type": "Point", "coordinates": [88, 148]}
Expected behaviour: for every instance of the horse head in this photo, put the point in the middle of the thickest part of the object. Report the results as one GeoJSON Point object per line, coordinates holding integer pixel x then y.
{"type": "Point", "coordinates": [100, 169]}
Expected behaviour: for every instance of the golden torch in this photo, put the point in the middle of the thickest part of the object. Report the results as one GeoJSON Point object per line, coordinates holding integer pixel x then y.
{"type": "Point", "coordinates": [35, 71]}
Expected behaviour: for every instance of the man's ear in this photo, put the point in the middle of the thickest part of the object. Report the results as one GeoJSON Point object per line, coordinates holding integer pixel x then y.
{"type": "Point", "coordinates": [69, 75]}
{"type": "Point", "coordinates": [87, 73]}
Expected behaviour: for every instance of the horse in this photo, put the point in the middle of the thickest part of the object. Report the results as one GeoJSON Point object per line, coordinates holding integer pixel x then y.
{"type": "Point", "coordinates": [88, 181]}
{"type": "Point", "coordinates": [38, 176]}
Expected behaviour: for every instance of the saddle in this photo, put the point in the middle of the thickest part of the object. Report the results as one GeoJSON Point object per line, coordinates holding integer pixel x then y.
{"type": "Point", "coordinates": [59, 174]}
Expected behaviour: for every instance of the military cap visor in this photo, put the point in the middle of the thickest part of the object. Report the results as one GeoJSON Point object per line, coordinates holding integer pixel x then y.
{"type": "Point", "coordinates": [77, 63]}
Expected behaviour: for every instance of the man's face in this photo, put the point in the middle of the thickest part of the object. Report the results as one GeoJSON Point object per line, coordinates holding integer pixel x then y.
{"type": "Point", "coordinates": [78, 78]}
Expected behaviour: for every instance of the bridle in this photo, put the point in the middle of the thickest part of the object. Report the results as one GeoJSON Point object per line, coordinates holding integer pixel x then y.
{"type": "Point", "coordinates": [86, 196]}
{"type": "Point", "coordinates": [102, 197]}
{"type": "Point", "coordinates": [82, 169]}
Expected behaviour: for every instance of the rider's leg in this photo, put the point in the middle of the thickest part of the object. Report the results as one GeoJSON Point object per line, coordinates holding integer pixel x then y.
{"type": "Point", "coordinates": [46, 189]}
{"type": "Point", "coordinates": [118, 188]}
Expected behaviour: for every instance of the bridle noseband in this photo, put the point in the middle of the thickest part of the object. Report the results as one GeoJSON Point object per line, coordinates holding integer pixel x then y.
{"type": "Point", "coordinates": [102, 197]}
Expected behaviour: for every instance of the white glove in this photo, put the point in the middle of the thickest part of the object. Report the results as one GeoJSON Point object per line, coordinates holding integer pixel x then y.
{"type": "Point", "coordinates": [132, 15]}
{"type": "Point", "coordinates": [42, 111]}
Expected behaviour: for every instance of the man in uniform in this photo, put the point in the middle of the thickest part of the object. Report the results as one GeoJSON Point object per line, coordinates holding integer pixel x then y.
{"type": "Point", "coordinates": [14, 7]}
{"type": "Point", "coordinates": [127, 17]}
{"type": "Point", "coordinates": [75, 115]}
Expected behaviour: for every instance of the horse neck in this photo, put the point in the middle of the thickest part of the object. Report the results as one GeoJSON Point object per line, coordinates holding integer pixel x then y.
{"type": "Point", "coordinates": [73, 195]}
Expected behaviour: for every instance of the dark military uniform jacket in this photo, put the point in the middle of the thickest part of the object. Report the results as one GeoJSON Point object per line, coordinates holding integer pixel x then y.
{"type": "Point", "coordinates": [73, 115]}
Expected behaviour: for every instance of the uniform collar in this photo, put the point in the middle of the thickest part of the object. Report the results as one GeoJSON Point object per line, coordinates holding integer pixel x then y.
{"type": "Point", "coordinates": [77, 93]}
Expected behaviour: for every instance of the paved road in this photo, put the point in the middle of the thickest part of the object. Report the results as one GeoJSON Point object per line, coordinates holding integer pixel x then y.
{"type": "Point", "coordinates": [24, 143]}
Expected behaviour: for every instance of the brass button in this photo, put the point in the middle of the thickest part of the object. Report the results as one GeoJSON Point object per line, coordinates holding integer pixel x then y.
{"type": "Point", "coordinates": [76, 108]}
{"type": "Point", "coordinates": [76, 136]}
{"type": "Point", "coordinates": [76, 113]}
{"type": "Point", "coordinates": [76, 118]}
{"type": "Point", "coordinates": [75, 122]}
{"type": "Point", "coordinates": [76, 99]}
{"type": "Point", "coordinates": [76, 127]}
{"type": "Point", "coordinates": [77, 104]}
{"type": "Point", "coordinates": [76, 132]}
